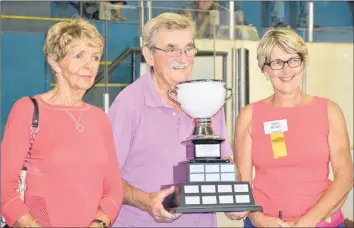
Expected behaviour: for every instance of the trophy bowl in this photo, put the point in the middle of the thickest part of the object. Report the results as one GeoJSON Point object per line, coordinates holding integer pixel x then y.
{"type": "Point", "coordinates": [200, 98]}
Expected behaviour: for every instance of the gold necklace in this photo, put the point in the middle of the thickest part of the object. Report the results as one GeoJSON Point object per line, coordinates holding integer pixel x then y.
{"type": "Point", "coordinates": [79, 126]}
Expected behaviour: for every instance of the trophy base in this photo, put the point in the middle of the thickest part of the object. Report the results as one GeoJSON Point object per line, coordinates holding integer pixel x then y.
{"type": "Point", "coordinates": [211, 209]}
{"type": "Point", "coordinates": [206, 197]}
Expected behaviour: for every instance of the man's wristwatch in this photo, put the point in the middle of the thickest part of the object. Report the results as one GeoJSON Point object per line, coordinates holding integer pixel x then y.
{"type": "Point", "coordinates": [102, 223]}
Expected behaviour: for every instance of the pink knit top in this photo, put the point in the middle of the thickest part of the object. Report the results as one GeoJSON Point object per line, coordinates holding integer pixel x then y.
{"type": "Point", "coordinates": [293, 183]}
{"type": "Point", "coordinates": [71, 174]}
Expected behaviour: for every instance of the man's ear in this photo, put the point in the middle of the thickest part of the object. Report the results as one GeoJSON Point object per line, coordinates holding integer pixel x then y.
{"type": "Point", "coordinates": [147, 53]}
{"type": "Point", "coordinates": [54, 64]}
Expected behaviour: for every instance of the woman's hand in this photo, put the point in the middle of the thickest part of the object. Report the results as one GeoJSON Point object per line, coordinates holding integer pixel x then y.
{"type": "Point", "coordinates": [260, 220]}
{"type": "Point", "coordinates": [26, 221]}
{"type": "Point", "coordinates": [304, 221]}
{"type": "Point", "coordinates": [100, 215]}
{"type": "Point", "coordinates": [95, 224]}
{"type": "Point", "coordinates": [236, 215]}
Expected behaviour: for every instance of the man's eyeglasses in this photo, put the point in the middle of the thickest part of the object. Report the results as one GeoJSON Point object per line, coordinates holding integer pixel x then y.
{"type": "Point", "coordinates": [279, 64]}
{"type": "Point", "coordinates": [189, 51]}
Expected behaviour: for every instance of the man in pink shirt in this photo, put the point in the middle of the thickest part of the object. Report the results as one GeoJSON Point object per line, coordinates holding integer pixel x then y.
{"type": "Point", "coordinates": [149, 128]}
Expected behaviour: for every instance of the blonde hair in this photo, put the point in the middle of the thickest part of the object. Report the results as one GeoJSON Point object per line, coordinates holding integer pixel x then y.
{"type": "Point", "coordinates": [284, 38]}
{"type": "Point", "coordinates": [62, 34]}
{"type": "Point", "coordinates": [168, 21]}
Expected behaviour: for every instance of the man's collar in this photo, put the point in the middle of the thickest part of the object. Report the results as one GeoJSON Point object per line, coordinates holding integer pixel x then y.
{"type": "Point", "coordinates": [151, 96]}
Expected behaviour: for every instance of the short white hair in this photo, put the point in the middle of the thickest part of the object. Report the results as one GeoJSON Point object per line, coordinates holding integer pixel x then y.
{"type": "Point", "coordinates": [168, 21]}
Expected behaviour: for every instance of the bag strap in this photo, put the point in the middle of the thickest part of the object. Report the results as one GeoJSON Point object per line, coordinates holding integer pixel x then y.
{"type": "Point", "coordinates": [35, 113]}
{"type": "Point", "coordinates": [34, 128]}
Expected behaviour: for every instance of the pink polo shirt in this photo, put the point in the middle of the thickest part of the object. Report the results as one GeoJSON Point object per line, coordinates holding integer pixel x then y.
{"type": "Point", "coordinates": [148, 135]}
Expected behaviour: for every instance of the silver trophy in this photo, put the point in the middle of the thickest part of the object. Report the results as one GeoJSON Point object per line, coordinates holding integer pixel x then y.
{"type": "Point", "coordinates": [205, 182]}
{"type": "Point", "coordinates": [201, 100]}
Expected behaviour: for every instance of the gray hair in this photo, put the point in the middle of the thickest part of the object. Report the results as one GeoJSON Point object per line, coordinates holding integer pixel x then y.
{"type": "Point", "coordinates": [168, 21]}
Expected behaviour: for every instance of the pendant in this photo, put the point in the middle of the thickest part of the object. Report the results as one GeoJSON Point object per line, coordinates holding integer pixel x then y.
{"type": "Point", "coordinates": [79, 128]}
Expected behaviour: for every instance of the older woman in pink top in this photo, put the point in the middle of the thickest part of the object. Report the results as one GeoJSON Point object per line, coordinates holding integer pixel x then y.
{"type": "Point", "coordinates": [73, 177]}
{"type": "Point", "coordinates": [291, 138]}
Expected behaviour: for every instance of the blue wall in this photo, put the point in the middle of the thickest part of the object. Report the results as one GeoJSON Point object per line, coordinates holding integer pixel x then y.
{"type": "Point", "coordinates": [23, 69]}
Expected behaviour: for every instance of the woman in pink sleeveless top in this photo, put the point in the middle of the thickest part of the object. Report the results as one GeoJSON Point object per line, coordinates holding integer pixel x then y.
{"type": "Point", "coordinates": [290, 138]}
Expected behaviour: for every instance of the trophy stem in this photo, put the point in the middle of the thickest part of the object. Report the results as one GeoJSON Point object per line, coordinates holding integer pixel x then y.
{"type": "Point", "coordinates": [202, 127]}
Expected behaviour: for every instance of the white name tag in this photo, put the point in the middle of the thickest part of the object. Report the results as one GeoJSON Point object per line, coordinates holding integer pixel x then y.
{"type": "Point", "coordinates": [275, 126]}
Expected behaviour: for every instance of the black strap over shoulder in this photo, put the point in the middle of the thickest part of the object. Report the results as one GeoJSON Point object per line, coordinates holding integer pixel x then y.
{"type": "Point", "coordinates": [22, 176]}
{"type": "Point", "coordinates": [35, 121]}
